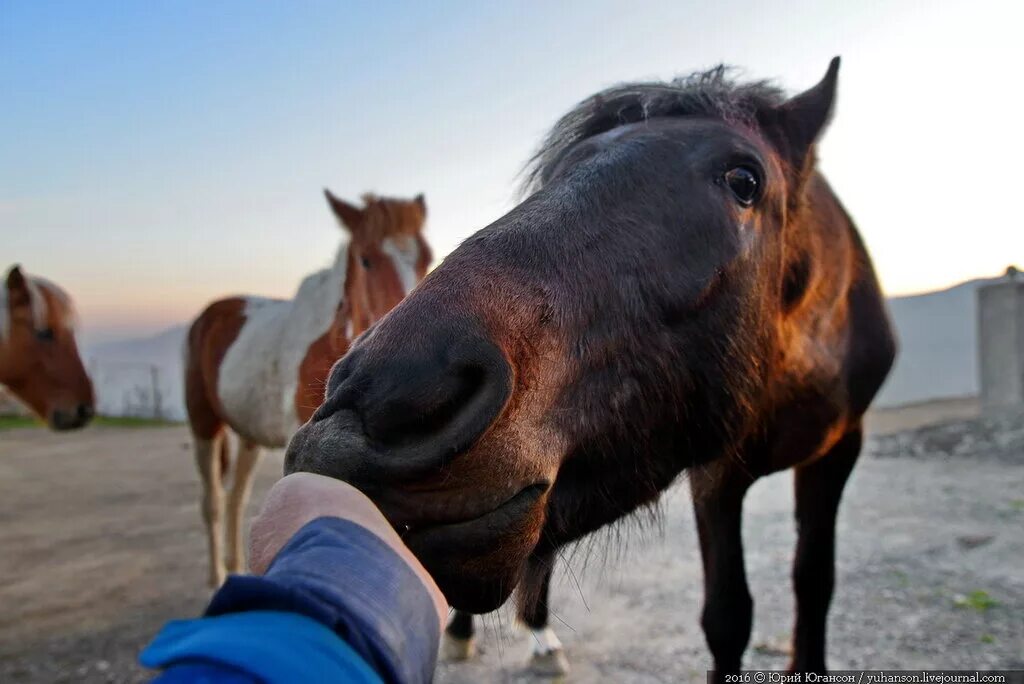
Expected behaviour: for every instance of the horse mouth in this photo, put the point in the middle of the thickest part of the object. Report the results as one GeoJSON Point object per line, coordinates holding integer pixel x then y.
{"type": "Point", "coordinates": [478, 561]}
{"type": "Point", "coordinates": [413, 521]}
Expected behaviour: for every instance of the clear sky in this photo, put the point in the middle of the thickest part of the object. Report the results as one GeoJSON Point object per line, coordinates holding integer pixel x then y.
{"type": "Point", "coordinates": [156, 155]}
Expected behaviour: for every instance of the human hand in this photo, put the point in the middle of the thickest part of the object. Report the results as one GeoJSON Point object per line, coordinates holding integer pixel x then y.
{"type": "Point", "coordinates": [302, 497]}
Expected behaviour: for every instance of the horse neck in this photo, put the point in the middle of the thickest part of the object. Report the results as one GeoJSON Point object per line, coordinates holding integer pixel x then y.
{"type": "Point", "coordinates": [319, 295]}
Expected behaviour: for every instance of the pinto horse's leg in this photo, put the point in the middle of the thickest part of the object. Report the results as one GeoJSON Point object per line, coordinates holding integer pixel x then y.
{"type": "Point", "coordinates": [819, 487]}
{"type": "Point", "coordinates": [210, 465]}
{"type": "Point", "coordinates": [728, 608]}
{"type": "Point", "coordinates": [547, 657]}
{"type": "Point", "coordinates": [241, 485]}
{"type": "Point", "coordinates": [459, 643]}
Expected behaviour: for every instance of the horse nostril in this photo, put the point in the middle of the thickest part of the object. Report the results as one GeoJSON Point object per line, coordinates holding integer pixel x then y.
{"type": "Point", "coordinates": [418, 409]}
{"type": "Point", "coordinates": [85, 413]}
{"type": "Point", "coordinates": [425, 410]}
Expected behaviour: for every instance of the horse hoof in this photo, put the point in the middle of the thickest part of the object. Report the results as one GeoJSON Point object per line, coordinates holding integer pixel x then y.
{"type": "Point", "coordinates": [454, 649]}
{"type": "Point", "coordinates": [549, 664]}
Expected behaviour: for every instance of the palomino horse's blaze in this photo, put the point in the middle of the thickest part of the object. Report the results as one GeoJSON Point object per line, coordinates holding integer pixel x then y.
{"type": "Point", "coordinates": [258, 366]}
{"type": "Point", "coordinates": [682, 290]}
{"type": "Point", "coordinates": [39, 359]}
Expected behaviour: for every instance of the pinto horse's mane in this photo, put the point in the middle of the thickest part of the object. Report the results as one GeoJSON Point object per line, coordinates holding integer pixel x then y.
{"type": "Point", "coordinates": [712, 93]}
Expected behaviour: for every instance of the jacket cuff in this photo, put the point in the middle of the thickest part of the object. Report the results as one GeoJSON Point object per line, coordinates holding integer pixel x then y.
{"type": "Point", "coordinates": [344, 577]}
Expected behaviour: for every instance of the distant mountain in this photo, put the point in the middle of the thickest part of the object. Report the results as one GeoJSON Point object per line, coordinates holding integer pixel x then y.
{"type": "Point", "coordinates": [141, 376]}
{"type": "Point", "coordinates": [937, 332]}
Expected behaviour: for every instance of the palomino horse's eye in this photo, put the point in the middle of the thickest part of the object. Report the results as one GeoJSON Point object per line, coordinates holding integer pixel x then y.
{"type": "Point", "coordinates": [46, 334]}
{"type": "Point", "coordinates": [744, 184]}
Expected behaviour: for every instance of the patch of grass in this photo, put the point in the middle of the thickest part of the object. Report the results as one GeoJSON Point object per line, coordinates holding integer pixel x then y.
{"type": "Point", "coordinates": [131, 421]}
{"type": "Point", "coordinates": [978, 600]}
{"type": "Point", "coordinates": [901, 578]}
{"type": "Point", "coordinates": [1017, 505]}
{"type": "Point", "coordinates": [987, 639]}
{"type": "Point", "coordinates": [12, 422]}
{"type": "Point", "coordinates": [15, 422]}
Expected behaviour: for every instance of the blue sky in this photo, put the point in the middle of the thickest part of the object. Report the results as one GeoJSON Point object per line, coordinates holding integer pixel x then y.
{"type": "Point", "coordinates": [157, 155]}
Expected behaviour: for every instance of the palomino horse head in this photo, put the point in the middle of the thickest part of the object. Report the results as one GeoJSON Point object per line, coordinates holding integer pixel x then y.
{"type": "Point", "coordinates": [39, 359]}
{"type": "Point", "coordinates": [565, 363]}
{"type": "Point", "coordinates": [387, 255]}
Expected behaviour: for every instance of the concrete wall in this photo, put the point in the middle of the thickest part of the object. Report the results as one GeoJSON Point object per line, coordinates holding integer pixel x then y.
{"type": "Point", "coordinates": [1001, 343]}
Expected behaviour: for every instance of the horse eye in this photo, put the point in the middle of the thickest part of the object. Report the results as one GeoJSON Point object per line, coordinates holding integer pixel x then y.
{"type": "Point", "coordinates": [744, 184]}
{"type": "Point", "coordinates": [46, 334]}
{"type": "Point", "coordinates": [365, 262]}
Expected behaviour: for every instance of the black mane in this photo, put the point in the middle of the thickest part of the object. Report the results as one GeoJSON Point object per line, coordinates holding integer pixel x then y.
{"type": "Point", "coordinates": [704, 93]}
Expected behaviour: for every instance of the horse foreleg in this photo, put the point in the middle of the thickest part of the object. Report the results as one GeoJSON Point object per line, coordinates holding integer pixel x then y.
{"type": "Point", "coordinates": [728, 608]}
{"type": "Point", "coordinates": [819, 487]}
{"type": "Point", "coordinates": [241, 486]}
{"type": "Point", "coordinates": [208, 462]}
{"type": "Point", "coordinates": [547, 657]}
{"type": "Point", "coordinates": [459, 643]}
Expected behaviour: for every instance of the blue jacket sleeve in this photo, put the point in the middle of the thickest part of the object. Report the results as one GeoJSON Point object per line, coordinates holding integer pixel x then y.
{"type": "Point", "coordinates": [333, 579]}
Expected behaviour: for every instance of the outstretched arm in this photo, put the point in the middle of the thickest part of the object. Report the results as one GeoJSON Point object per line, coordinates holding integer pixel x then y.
{"type": "Point", "coordinates": [340, 598]}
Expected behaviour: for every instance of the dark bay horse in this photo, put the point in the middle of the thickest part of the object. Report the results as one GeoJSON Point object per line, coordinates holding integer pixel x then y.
{"type": "Point", "coordinates": [39, 359]}
{"type": "Point", "coordinates": [257, 366]}
{"type": "Point", "coordinates": [681, 290]}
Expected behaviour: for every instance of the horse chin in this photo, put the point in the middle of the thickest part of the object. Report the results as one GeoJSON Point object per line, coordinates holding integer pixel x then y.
{"type": "Point", "coordinates": [479, 562]}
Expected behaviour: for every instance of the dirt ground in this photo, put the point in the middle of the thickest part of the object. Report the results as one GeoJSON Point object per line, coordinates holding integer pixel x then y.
{"type": "Point", "coordinates": [100, 543]}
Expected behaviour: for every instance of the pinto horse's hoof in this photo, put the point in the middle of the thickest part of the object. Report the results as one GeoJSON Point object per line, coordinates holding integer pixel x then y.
{"type": "Point", "coordinates": [454, 649]}
{"type": "Point", "coordinates": [551, 664]}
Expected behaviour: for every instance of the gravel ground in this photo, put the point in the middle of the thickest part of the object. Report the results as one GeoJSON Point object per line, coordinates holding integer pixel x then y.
{"type": "Point", "coordinates": [102, 543]}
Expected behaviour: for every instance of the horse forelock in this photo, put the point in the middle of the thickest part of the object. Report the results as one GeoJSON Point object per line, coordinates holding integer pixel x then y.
{"type": "Point", "coordinates": [49, 303]}
{"type": "Point", "coordinates": [712, 93]}
{"type": "Point", "coordinates": [390, 217]}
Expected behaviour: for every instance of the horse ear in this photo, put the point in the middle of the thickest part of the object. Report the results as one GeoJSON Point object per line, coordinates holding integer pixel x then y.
{"type": "Point", "coordinates": [422, 201]}
{"type": "Point", "coordinates": [16, 279]}
{"type": "Point", "coordinates": [799, 122]}
{"type": "Point", "coordinates": [350, 216]}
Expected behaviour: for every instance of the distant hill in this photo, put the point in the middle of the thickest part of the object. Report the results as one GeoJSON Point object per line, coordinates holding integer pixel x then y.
{"type": "Point", "coordinates": [937, 331]}
{"type": "Point", "coordinates": [140, 376]}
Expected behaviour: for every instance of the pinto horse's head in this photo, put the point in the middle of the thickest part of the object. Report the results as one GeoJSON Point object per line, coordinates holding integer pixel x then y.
{"type": "Point", "coordinates": [566, 362]}
{"type": "Point", "coordinates": [387, 255]}
{"type": "Point", "coordinates": [39, 359]}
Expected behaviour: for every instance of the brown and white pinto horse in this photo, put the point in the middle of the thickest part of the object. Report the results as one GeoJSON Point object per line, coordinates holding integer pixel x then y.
{"type": "Point", "coordinates": [681, 290]}
{"type": "Point", "coordinates": [258, 366]}
{"type": "Point", "coordinates": [39, 360]}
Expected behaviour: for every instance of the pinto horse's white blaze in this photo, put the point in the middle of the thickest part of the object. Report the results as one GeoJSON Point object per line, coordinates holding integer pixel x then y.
{"type": "Point", "coordinates": [260, 372]}
{"type": "Point", "coordinates": [405, 255]}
